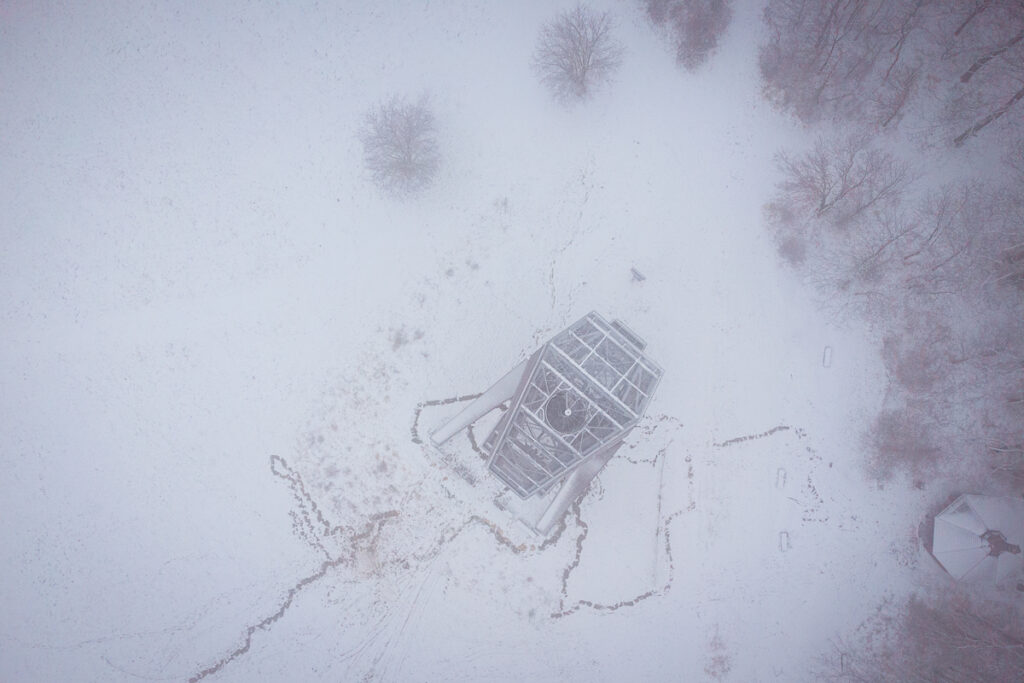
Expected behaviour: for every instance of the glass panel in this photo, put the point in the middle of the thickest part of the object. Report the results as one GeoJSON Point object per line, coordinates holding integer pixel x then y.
{"type": "Point", "coordinates": [512, 476]}
{"type": "Point", "coordinates": [615, 356]}
{"type": "Point", "coordinates": [588, 332]}
{"type": "Point", "coordinates": [641, 377]}
{"type": "Point", "coordinates": [538, 456]}
{"type": "Point", "coordinates": [546, 380]}
{"type": "Point", "coordinates": [524, 463]}
{"type": "Point", "coordinates": [573, 346]}
{"type": "Point", "coordinates": [601, 371]}
{"type": "Point", "coordinates": [602, 427]}
{"type": "Point", "coordinates": [531, 427]}
{"type": "Point", "coordinates": [585, 442]}
{"type": "Point", "coordinates": [629, 395]}
{"type": "Point", "coordinates": [534, 398]}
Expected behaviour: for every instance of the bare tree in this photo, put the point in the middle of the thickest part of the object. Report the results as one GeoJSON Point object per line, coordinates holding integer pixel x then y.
{"type": "Point", "coordinates": [889, 102]}
{"type": "Point", "coordinates": [821, 56]}
{"type": "Point", "coordinates": [991, 361]}
{"type": "Point", "coordinates": [695, 26]}
{"type": "Point", "coordinates": [1014, 159]}
{"type": "Point", "coordinates": [838, 215]}
{"type": "Point", "coordinates": [866, 61]}
{"type": "Point", "coordinates": [916, 358]}
{"type": "Point", "coordinates": [842, 178]}
{"type": "Point", "coordinates": [901, 439]}
{"type": "Point", "coordinates": [954, 346]}
{"type": "Point", "coordinates": [857, 269]}
{"type": "Point", "coordinates": [943, 276]}
{"type": "Point", "coordinates": [940, 272]}
{"type": "Point", "coordinates": [576, 52]}
{"type": "Point", "coordinates": [985, 67]}
{"type": "Point", "coordinates": [1007, 238]}
{"type": "Point", "coordinates": [399, 145]}
{"type": "Point", "coordinates": [946, 637]}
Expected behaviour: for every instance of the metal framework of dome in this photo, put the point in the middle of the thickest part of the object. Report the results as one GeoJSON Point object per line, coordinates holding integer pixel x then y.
{"type": "Point", "coordinates": [570, 406]}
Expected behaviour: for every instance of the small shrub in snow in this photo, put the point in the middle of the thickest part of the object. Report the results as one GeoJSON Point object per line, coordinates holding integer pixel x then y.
{"type": "Point", "coordinates": [576, 52]}
{"type": "Point", "coordinates": [399, 145]}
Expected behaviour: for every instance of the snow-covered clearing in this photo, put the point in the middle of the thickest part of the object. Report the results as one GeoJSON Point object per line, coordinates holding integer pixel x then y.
{"type": "Point", "coordinates": [197, 276]}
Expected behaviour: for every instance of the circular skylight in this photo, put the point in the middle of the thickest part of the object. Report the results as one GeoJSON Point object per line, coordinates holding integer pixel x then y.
{"type": "Point", "coordinates": [566, 412]}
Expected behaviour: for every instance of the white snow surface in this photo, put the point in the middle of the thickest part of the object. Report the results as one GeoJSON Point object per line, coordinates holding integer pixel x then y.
{"type": "Point", "coordinates": [197, 275]}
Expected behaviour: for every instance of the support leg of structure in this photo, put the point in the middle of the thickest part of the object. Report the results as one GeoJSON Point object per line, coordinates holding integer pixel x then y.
{"type": "Point", "coordinates": [502, 391]}
{"type": "Point", "coordinates": [573, 487]}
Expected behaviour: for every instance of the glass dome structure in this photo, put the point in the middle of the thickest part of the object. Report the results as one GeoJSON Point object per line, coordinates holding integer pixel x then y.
{"type": "Point", "coordinates": [577, 398]}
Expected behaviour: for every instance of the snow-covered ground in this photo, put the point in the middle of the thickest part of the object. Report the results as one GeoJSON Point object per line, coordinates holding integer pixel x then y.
{"type": "Point", "coordinates": [197, 276]}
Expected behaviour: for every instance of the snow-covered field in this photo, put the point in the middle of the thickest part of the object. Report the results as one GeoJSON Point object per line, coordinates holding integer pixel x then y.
{"type": "Point", "coordinates": [197, 276]}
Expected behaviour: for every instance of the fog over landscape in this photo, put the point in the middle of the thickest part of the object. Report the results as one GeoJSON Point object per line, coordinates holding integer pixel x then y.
{"type": "Point", "coordinates": [257, 256]}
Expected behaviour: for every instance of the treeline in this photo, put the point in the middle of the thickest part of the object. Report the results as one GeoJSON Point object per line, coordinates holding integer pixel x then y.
{"type": "Point", "coordinates": [955, 66]}
{"type": "Point", "coordinates": [908, 214]}
{"type": "Point", "coordinates": [948, 637]}
{"type": "Point", "coordinates": [935, 260]}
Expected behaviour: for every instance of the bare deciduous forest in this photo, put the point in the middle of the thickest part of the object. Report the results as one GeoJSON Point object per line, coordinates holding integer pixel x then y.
{"type": "Point", "coordinates": [907, 215]}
